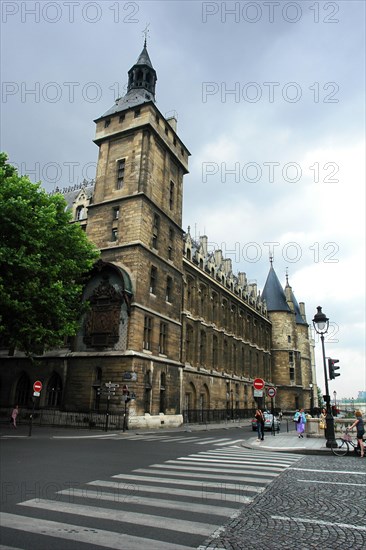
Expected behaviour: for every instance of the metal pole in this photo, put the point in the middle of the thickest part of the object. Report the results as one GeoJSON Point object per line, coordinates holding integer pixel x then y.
{"type": "Point", "coordinates": [329, 420]}
{"type": "Point", "coordinates": [107, 414]}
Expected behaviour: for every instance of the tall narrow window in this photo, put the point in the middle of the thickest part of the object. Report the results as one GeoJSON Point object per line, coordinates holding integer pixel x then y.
{"type": "Point", "coordinates": [214, 351]}
{"type": "Point", "coordinates": [120, 173]}
{"type": "Point", "coordinates": [171, 195]}
{"type": "Point", "coordinates": [169, 289]}
{"type": "Point", "coordinates": [170, 244]}
{"type": "Point", "coordinates": [147, 332]}
{"type": "Point", "coordinates": [114, 236]}
{"type": "Point", "coordinates": [202, 347]}
{"type": "Point", "coordinates": [162, 405]}
{"type": "Point", "coordinates": [155, 237]}
{"type": "Point", "coordinates": [163, 338]}
{"type": "Point", "coordinates": [116, 213]}
{"type": "Point", "coordinates": [153, 279]}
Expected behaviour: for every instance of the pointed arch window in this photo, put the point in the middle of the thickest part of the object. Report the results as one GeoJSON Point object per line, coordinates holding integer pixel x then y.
{"type": "Point", "coordinates": [23, 390]}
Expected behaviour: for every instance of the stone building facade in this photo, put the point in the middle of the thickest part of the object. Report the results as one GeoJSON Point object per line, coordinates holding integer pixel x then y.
{"type": "Point", "coordinates": [168, 318]}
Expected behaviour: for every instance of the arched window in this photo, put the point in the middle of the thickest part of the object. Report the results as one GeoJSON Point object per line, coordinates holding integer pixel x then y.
{"type": "Point", "coordinates": [23, 390]}
{"type": "Point", "coordinates": [214, 352]}
{"type": "Point", "coordinates": [54, 391]}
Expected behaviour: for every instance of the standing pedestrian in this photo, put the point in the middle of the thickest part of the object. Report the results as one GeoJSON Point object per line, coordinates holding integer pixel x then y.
{"type": "Point", "coordinates": [259, 416]}
{"type": "Point", "coordinates": [300, 420]}
{"type": "Point", "coordinates": [360, 427]}
{"type": "Point", "coordinates": [14, 415]}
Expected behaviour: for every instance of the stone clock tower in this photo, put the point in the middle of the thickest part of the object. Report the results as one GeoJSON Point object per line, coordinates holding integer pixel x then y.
{"type": "Point", "coordinates": [135, 220]}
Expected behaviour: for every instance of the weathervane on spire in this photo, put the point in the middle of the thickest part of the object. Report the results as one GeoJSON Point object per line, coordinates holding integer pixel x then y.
{"type": "Point", "coordinates": [286, 276]}
{"type": "Point", "coordinates": [146, 32]}
{"type": "Point", "coordinates": [271, 259]}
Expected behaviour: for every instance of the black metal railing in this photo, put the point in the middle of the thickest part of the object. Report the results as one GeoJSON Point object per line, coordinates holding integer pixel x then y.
{"type": "Point", "coordinates": [98, 419]}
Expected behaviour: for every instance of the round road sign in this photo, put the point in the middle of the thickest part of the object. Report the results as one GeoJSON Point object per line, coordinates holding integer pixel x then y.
{"type": "Point", "coordinates": [37, 386]}
{"type": "Point", "coordinates": [258, 384]}
{"type": "Point", "coordinates": [271, 392]}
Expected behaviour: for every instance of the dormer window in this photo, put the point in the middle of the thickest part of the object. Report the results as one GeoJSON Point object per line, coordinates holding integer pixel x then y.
{"type": "Point", "coordinates": [107, 122]}
{"type": "Point", "coordinates": [80, 212]}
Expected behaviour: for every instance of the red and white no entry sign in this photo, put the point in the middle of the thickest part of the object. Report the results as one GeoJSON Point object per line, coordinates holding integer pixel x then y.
{"type": "Point", "coordinates": [37, 386]}
{"type": "Point", "coordinates": [258, 384]}
{"type": "Point", "coordinates": [271, 392]}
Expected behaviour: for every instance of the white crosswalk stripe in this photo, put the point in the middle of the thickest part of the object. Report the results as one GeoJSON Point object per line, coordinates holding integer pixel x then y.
{"type": "Point", "coordinates": [197, 440]}
{"type": "Point", "coordinates": [174, 505]}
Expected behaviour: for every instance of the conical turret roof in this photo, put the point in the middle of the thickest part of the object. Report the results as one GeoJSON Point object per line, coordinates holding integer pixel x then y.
{"type": "Point", "coordinates": [273, 293]}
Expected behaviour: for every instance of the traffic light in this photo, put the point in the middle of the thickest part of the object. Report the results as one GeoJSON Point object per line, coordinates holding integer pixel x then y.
{"type": "Point", "coordinates": [332, 368]}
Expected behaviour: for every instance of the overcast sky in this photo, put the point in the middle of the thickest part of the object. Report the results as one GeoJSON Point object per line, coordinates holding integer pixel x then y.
{"type": "Point", "coordinates": [270, 98]}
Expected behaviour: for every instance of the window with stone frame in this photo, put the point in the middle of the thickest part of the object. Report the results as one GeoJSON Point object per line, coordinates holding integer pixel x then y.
{"type": "Point", "coordinates": [163, 338]}
{"type": "Point", "coordinates": [148, 392]}
{"type": "Point", "coordinates": [121, 165]}
{"type": "Point", "coordinates": [23, 390]}
{"type": "Point", "coordinates": [153, 279]}
{"type": "Point", "coordinates": [189, 344]}
{"type": "Point", "coordinates": [147, 332]}
{"type": "Point", "coordinates": [171, 195]}
{"type": "Point", "coordinates": [162, 400]}
{"type": "Point", "coordinates": [114, 234]}
{"type": "Point", "coordinates": [169, 289]}
{"type": "Point", "coordinates": [171, 244]}
{"type": "Point", "coordinates": [215, 348]}
{"type": "Point", "coordinates": [155, 231]}
{"type": "Point", "coordinates": [54, 391]}
{"type": "Point", "coordinates": [203, 348]}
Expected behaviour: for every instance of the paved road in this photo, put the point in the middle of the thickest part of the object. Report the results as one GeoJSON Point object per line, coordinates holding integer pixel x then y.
{"type": "Point", "coordinates": [172, 503]}
{"type": "Point", "coordinates": [320, 502]}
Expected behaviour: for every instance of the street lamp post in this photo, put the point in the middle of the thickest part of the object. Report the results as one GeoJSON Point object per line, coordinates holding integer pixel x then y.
{"type": "Point", "coordinates": [321, 325]}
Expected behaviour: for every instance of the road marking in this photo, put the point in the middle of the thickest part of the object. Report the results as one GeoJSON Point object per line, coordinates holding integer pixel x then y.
{"type": "Point", "coordinates": [230, 442]}
{"type": "Point", "coordinates": [202, 493]}
{"type": "Point", "coordinates": [87, 535]}
{"type": "Point", "coordinates": [230, 462]}
{"type": "Point", "coordinates": [330, 482]}
{"type": "Point", "coordinates": [230, 468]}
{"type": "Point", "coordinates": [202, 475]}
{"type": "Point", "coordinates": [132, 498]}
{"type": "Point", "coordinates": [331, 471]}
{"type": "Point", "coordinates": [321, 522]}
{"type": "Point", "coordinates": [101, 436]}
{"type": "Point", "coordinates": [148, 520]}
{"type": "Point", "coordinates": [189, 482]}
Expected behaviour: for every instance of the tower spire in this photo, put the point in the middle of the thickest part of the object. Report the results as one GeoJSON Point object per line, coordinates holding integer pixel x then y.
{"type": "Point", "coordinates": [146, 32]}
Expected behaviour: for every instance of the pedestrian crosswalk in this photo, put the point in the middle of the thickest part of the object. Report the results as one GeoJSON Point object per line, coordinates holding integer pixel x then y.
{"type": "Point", "coordinates": [196, 440]}
{"type": "Point", "coordinates": [171, 505]}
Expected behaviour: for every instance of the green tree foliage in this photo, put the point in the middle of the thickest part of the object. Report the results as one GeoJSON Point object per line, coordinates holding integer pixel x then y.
{"type": "Point", "coordinates": [44, 260]}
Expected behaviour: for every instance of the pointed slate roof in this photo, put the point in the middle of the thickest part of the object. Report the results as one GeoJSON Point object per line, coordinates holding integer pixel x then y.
{"type": "Point", "coordinates": [141, 85]}
{"type": "Point", "coordinates": [298, 316]}
{"type": "Point", "coordinates": [273, 293]}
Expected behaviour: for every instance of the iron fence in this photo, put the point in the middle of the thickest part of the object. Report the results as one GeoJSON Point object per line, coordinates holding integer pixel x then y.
{"type": "Point", "coordinates": [98, 420]}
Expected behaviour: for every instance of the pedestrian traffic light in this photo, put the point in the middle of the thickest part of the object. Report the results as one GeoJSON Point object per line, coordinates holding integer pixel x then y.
{"type": "Point", "coordinates": [332, 368]}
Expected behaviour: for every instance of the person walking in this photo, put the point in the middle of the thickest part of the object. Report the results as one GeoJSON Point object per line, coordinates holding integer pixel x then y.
{"type": "Point", "coordinates": [300, 420]}
{"type": "Point", "coordinates": [259, 416]}
{"type": "Point", "coordinates": [14, 415]}
{"type": "Point", "coordinates": [360, 427]}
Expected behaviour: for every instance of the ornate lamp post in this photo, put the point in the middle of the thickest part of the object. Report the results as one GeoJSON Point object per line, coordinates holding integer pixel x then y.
{"type": "Point", "coordinates": [321, 325]}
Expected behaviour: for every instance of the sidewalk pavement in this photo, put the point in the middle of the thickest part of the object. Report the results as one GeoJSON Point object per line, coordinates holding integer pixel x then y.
{"type": "Point", "coordinates": [287, 442]}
